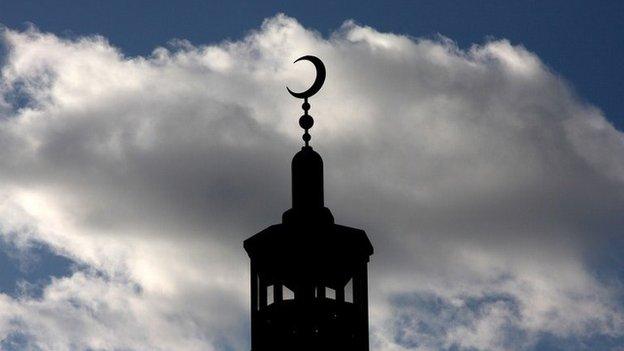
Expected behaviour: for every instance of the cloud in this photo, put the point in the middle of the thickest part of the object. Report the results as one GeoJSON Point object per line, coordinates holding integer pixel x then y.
{"type": "Point", "coordinates": [487, 187]}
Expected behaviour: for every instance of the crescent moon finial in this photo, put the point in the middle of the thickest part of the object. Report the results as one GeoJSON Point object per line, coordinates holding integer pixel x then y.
{"type": "Point", "coordinates": [306, 121]}
{"type": "Point", "coordinates": [318, 81]}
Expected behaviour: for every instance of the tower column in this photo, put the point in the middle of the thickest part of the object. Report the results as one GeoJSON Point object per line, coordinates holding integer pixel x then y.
{"type": "Point", "coordinates": [278, 292]}
{"type": "Point", "coordinates": [360, 299]}
{"type": "Point", "coordinates": [254, 304]}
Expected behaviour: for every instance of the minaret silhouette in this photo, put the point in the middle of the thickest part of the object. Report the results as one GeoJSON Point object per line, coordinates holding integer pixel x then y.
{"type": "Point", "coordinates": [309, 284]}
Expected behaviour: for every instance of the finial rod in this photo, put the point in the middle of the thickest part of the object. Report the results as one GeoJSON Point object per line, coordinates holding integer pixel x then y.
{"type": "Point", "coordinates": [306, 122]}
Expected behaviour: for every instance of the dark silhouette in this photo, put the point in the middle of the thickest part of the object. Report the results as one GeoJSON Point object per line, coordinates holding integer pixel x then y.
{"type": "Point", "coordinates": [309, 285]}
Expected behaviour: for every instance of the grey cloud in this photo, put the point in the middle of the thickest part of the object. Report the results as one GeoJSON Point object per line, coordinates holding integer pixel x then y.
{"type": "Point", "coordinates": [482, 180]}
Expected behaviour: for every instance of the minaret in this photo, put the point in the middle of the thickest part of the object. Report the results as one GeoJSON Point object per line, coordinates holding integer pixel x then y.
{"type": "Point", "coordinates": [309, 285]}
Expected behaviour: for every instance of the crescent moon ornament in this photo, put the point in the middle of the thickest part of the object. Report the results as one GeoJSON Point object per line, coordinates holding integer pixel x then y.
{"type": "Point", "coordinates": [306, 121]}
{"type": "Point", "coordinates": [318, 81]}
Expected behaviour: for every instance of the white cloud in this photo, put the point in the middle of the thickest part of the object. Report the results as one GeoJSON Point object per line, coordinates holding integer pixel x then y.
{"type": "Point", "coordinates": [484, 183]}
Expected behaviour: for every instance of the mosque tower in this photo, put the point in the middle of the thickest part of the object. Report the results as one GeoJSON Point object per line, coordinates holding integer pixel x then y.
{"type": "Point", "coordinates": [309, 280]}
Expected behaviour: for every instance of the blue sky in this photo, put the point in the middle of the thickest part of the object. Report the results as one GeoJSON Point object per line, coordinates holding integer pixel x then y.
{"type": "Point", "coordinates": [488, 170]}
{"type": "Point", "coordinates": [581, 40]}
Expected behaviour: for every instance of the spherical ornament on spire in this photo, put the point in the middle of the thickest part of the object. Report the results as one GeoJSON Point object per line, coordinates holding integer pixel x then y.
{"type": "Point", "coordinates": [306, 137]}
{"type": "Point", "coordinates": [306, 122]}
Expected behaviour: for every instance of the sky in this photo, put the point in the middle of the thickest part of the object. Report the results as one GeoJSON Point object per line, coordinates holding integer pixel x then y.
{"type": "Point", "coordinates": [479, 145]}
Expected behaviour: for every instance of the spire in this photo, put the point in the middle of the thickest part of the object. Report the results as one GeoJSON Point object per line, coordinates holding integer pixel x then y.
{"type": "Point", "coordinates": [307, 165]}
